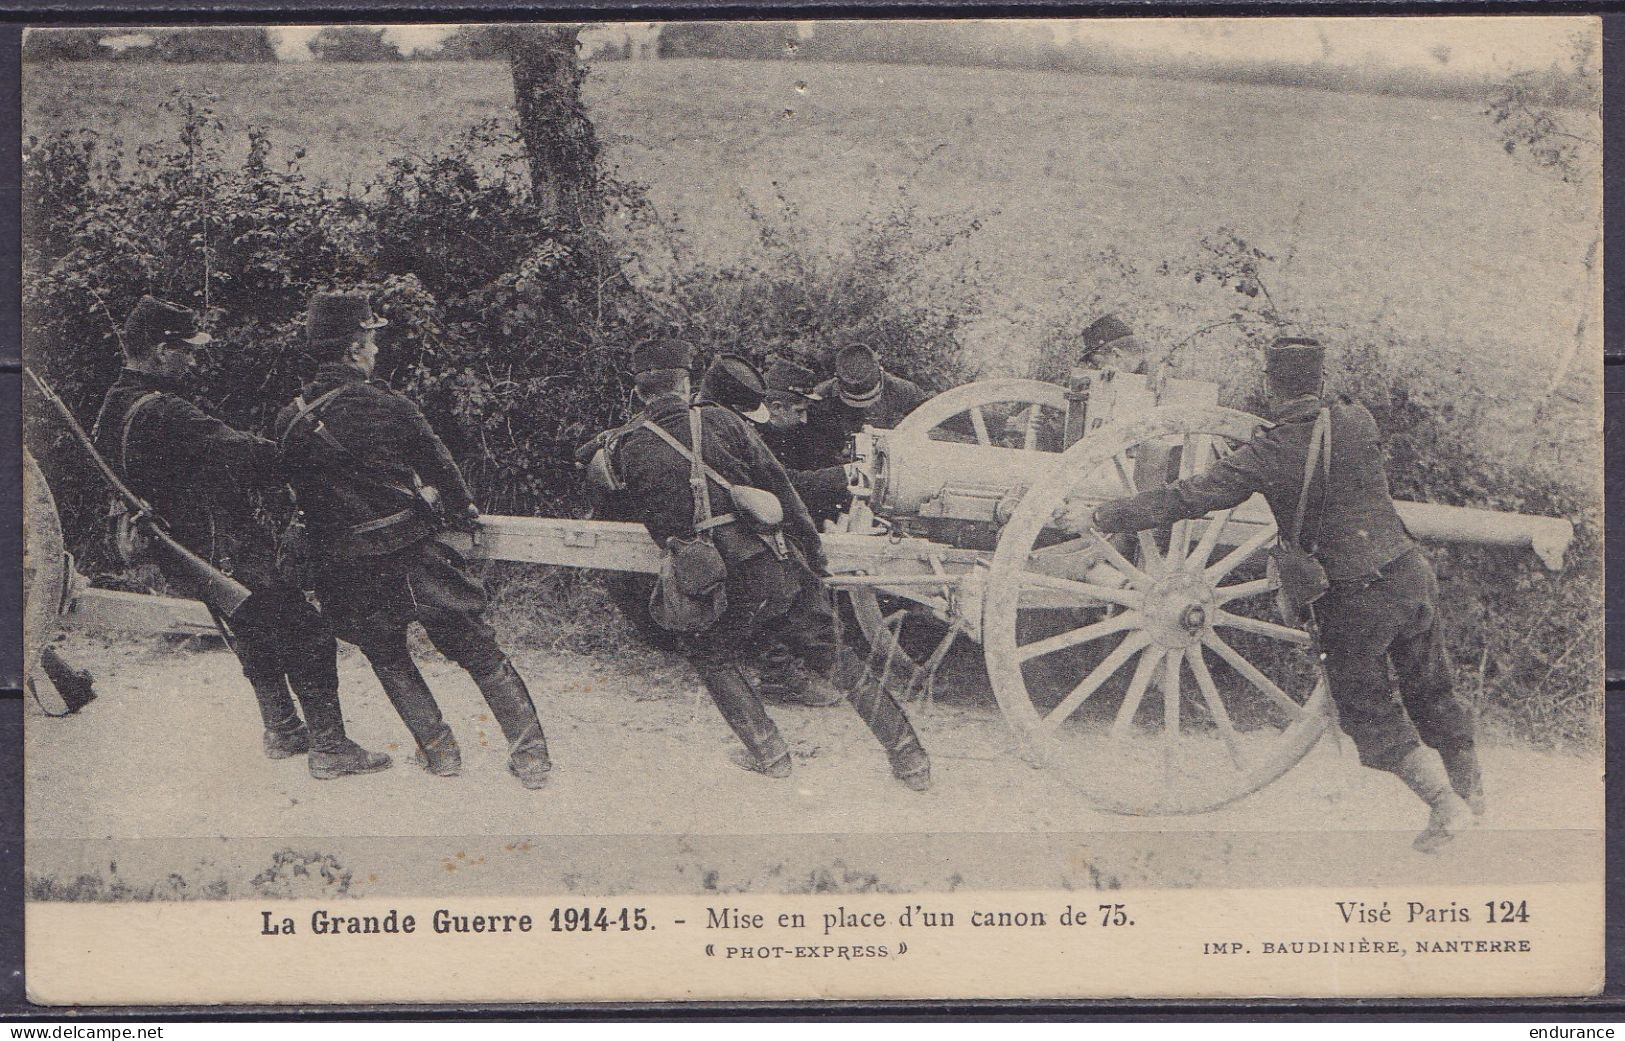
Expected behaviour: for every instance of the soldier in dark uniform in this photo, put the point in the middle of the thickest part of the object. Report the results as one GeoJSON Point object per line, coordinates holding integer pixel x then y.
{"type": "Point", "coordinates": [1383, 606]}
{"type": "Point", "coordinates": [766, 591]}
{"type": "Point", "coordinates": [815, 464]}
{"type": "Point", "coordinates": [734, 383]}
{"type": "Point", "coordinates": [375, 484]}
{"type": "Point", "coordinates": [200, 476]}
{"type": "Point", "coordinates": [861, 393]}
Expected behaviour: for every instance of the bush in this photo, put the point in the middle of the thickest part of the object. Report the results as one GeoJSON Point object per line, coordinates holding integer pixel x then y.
{"type": "Point", "coordinates": [513, 333]}
{"type": "Point", "coordinates": [887, 287]}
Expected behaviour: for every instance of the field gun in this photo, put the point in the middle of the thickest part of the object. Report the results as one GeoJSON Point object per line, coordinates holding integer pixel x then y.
{"type": "Point", "coordinates": [1154, 670]}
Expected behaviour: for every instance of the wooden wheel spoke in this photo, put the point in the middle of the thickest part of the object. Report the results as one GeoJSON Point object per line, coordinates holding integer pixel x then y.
{"type": "Point", "coordinates": [1125, 473]}
{"type": "Point", "coordinates": [1210, 538]}
{"type": "Point", "coordinates": [1215, 706]}
{"type": "Point", "coordinates": [1170, 695]}
{"type": "Point", "coordinates": [1072, 638]}
{"type": "Point", "coordinates": [1259, 627]}
{"type": "Point", "coordinates": [1083, 590]}
{"type": "Point", "coordinates": [1136, 691]}
{"type": "Point", "coordinates": [1250, 673]}
{"type": "Point", "coordinates": [978, 423]}
{"type": "Point", "coordinates": [1242, 553]}
{"type": "Point", "coordinates": [1029, 436]}
{"type": "Point", "coordinates": [1131, 645]}
{"type": "Point", "coordinates": [1062, 549]}
{"type": "Point", "coordinates": [1150, 552]}
{"type": "Point", "coordinates": [1246, 589]}
{"type": "Point", "coordinates": [1120, 562]}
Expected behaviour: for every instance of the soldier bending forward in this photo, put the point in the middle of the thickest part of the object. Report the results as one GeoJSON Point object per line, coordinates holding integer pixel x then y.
{"type": "Point", "coordinates": [1383, 605]}
{"type": "Point", "coordinates": [768, 592]}
{"type": "Point", "coordinates": [368, 472]}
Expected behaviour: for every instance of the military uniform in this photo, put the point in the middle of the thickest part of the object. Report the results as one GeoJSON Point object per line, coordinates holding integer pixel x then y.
{"type": "Point", "coordinates": [766, 591]}
{"type": "Point", "coordinates": [200, 476]}
{"type": "Point", "coordinates": [358, 456]}
{"type": "Point", "coordinates": [831, 422]}
{"type": "Point", "coordinates": [1382, 607]}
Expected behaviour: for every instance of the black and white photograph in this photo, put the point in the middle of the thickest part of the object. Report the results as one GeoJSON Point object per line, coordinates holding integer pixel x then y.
{"type": "Point", "coordinates": [813, 509]}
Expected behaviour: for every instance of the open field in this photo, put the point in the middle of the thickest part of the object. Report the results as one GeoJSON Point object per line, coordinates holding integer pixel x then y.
{"type": "Point", "coordinates": [1392, 209]}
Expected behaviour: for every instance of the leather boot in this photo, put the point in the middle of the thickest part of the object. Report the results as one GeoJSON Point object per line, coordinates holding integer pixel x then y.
{"type": "Point", "coordinates": [332, 753]}
{"type": "Point", "coordinates": [783, 680]}
{"type": "Point", "coordinates": [414, 702]}
{"type": "Point", "coordinates": [285, 733]}
{"type": "Point", "coordinates": [515, 713]}
{"type": "Point", "coordinates": [286, 739]}
{"type": "Point", "coordinates": [742, 710]}
{"type": "Point", "coordinates": [1448, 815]}
{"type": "Point", "coordinates": [1461, 763]}
{"type": "Point", "coordinates": [886, 720]}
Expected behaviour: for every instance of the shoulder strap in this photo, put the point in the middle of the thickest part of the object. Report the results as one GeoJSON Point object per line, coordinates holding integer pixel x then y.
{"type": "Point", "coordinates": [311, 410]}
{"type": "Point", "coordinates": [698, 471]}
{"type": "Point", "coordinates": [1319, 452]}
{"type": "Point", "coordinates": [129, 421]}
{"type": "Point", "coordinates": [683, 451]}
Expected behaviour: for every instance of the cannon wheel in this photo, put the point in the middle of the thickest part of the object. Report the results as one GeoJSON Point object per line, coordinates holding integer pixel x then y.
{"type": "Point", "coordinates": [970, 403]}
{"type": "Point", "coordinates": [1174, 612]}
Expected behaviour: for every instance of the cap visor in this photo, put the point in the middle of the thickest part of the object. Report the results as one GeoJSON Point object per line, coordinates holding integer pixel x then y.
{"type": "Point", "coordinates": [759, 414]}
{"type": "Point", "coordinates": [202, 339]}
{"type": "Point", "coordinates": [374, 322]}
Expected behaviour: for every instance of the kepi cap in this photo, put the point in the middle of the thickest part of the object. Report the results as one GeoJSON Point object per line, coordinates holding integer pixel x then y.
{"type": "Point", "coordinates": [664, 352]}
{"type": "Point", "coordinates": [858, 375]}
{"type": "Point", "coordinates": [734, 381]}
{"type": "Point", "coordinates": [787, 377]}
{"type": "Point", "coordinates": [1109, 331]}
{"type": "Point", "coordinates": [338, 316]}
{"type": "Point", "coordinates": [155, 322]}
{"type": "Point", "coordinates": [1295, 365]}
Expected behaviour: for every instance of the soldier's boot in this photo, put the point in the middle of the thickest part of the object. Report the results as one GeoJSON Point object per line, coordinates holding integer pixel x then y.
{"type": "Point", "coordinates": [785, 681]}
{"type": "Point", "coordinates": [1448, 814]}
{"type": "Point", "coordinates": [742, 710]}
{"type": "Point", "coordinates": [285, 733]}
{"type": "Point", "coordinates": [332, 753]}
{"type": "Point", "coordinates": [407, 690]}
{"type": "Point", "coordinates": [886, 720]}
{"type": "Point", "coordinates": [505, 691]}
{"type": "Point", "coordinates": [1461, 763]}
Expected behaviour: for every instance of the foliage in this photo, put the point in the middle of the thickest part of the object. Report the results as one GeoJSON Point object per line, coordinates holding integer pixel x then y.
{"type": "Point", "coordinates": [1546, 116]}
{"type": "Point", "coordinates": [237, 44]}
{"type": "Point", "coordinates": [468, 43]}
{"type": "Point", "coordinates": [791, 297]}
{"type": "Point", "coordinates": [513, 332]}
{"type": "Point", "coordinates": [352, 43]}
{"type": "Point", "coordinates": [222, 44]}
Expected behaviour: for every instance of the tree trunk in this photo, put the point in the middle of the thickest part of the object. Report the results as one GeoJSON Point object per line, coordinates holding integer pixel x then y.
{"type": "Point", "coordinates": [560, 144]}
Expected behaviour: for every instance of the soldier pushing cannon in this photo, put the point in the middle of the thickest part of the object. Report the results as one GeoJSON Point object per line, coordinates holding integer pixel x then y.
{"type": "Point", "coordinates": [1091, 543]}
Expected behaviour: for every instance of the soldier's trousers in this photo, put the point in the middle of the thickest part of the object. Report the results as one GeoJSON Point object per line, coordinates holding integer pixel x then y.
{"type": "Point", "coordinates": [762, 606]}
{"type": "Point", "coordinates": [282, 641]}
{"type": "Point", "coordinates": [372, 601]}
{"type": "Point", "coordinates": [1392, 622]}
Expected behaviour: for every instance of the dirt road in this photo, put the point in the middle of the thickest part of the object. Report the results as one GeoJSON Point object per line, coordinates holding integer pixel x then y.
{"type": "Point", "coordinates": [159, 789]}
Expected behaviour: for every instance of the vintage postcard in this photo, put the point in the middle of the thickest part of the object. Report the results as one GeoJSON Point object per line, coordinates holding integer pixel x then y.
{"type": "Point", "coordinates": [814, 510]}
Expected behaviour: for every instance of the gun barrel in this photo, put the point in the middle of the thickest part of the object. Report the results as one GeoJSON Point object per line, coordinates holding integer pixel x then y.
{"type": "Point", "coordinates": [1548, 537]}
